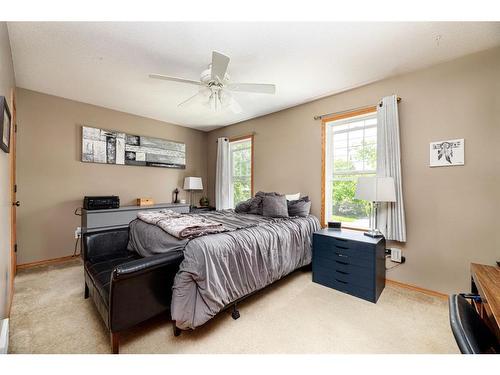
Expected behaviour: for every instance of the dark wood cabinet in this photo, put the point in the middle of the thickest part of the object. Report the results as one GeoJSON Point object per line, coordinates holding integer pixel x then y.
{"type": "Point", "coordinates": [350, 262]}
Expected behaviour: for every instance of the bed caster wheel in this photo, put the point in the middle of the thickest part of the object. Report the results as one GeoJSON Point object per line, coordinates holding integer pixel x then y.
{"type": "Point", "coordinates": [177, 331]}
{"type": "Point", "coordinates": [235, 314]}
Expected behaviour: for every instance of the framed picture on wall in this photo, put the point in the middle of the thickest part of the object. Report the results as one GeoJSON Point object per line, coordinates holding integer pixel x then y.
{"type": "Point", "coordinates": [115, 147]}
{"type": "Point", "coordinates": [5, 120]}
{"type": "Point", "coordinates": [447, 153]}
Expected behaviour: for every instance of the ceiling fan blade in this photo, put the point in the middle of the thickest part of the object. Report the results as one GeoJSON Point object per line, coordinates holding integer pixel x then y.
{"type": "Point", "coordinates": [219, 65]}
{"type": "Point", "coordinates": [235, 107]}
{"type": "Point", "coordinates": [260, 88]}
{"type": "Point", "coordinates": [188, 100]}
{"type": "Point", "coordinates": [175, 79]}
{"type": "Point", "coordinates": [229, 103]}
{"type": "Point", "coordinates": [201, 97]}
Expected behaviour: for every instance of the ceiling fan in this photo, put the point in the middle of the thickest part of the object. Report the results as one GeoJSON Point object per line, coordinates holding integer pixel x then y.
{"type": "Point", "coordinates": [215, 86]}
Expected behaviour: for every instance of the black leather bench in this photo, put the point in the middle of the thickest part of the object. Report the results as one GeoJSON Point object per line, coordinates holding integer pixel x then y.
{"type": "Point", "coordinates": [126, 288]}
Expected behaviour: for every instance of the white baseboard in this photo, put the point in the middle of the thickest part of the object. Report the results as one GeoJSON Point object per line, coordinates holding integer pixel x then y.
{"type": "Point", "coordinates": [4, 336]}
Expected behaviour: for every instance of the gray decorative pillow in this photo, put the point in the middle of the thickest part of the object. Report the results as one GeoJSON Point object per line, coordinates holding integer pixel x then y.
{"type": "Point", "coordinates": [243, 207]}
{"type": "Point", "coordinates": [274, 206]}
{"type": "Point", "coordinates": [255, 205]}
{"type": "Point", "coordinates": [300, 207]}
{"type": "Point", "coordinates": [256, 202]}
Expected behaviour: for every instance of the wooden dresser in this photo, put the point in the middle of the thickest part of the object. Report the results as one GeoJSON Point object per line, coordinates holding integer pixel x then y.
{"type": "Point", "coordinates": [350, 262]}
{"type": "Point", "coordinates": [97, 220]}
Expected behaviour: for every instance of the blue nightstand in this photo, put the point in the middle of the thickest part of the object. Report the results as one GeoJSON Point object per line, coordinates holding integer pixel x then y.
{"type": "Point", "coordinates": [350, 262]}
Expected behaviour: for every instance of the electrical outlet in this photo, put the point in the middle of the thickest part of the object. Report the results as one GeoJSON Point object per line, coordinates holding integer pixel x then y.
{"type": "Point", "coordinates": [395, 254]}
{"type": "Point", "coordinates": [78, 232]}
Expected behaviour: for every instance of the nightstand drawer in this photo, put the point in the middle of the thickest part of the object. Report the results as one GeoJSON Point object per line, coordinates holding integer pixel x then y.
{"type": "Point", "coordinates": [354, 268]}
{"type": "Point", "coordinates": [350, 248]}
{"type": "Point", "coordinates": [344, 266]}
{"type": "Point", "coordinates": [344, 286]}
{"type": "Point", "coordinates": [342, 256]}
{"type": "Point", "coordinates": [352, 276]}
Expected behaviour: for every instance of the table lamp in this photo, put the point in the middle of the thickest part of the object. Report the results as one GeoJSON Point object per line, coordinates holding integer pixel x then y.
{"type": "Point", "coordinates": [192, 184]}
{"type": "Point", "coordinates": [375, 190]}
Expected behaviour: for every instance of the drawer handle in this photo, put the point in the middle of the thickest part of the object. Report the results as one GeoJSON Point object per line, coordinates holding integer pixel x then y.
{"type": "Point", "coordinates": [341, 281]}
{"type": "Point", "coordinates": [341, 247]}
{"type": "Point", "coordinates": [342, 255]}
{"type": "Point", "coordinates": [344, 263]}
{"type": "Point", "coordinates": [342, 272]}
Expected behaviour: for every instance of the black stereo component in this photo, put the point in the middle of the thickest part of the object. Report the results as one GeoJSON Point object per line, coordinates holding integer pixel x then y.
{"type": "Point", "coordinates": [335, 225]}
{"type": "Point", "coordinates": [101, 203]}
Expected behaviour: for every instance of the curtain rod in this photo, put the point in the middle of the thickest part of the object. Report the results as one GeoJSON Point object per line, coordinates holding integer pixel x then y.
{"type": "Point", "coordinates": [321, 117]}
{"type": "Point", "coordinates": [238, 137]}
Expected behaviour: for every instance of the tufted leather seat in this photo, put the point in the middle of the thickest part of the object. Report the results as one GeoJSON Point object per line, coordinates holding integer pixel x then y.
{"type": "Point", "coordinates": [126, 288]}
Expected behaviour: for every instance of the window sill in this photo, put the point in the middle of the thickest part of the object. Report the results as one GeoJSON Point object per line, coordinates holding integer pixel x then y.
{"type": "Point", "coordinates": [325, 225]}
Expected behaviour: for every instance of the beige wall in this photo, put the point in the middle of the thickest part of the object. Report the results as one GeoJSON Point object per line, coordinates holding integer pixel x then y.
{"type": "Point", "coordinates": [7, 83]}
{"type": "Point", "coordinates": [52, 181]}
{"type": "Point", "coordinates": [452, 213]}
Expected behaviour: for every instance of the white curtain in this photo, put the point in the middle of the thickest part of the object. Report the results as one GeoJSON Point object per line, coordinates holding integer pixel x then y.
{"type": "Point", "coordinates": [223, 196]}
{"type": "Point", "coordinates": [391, 216]}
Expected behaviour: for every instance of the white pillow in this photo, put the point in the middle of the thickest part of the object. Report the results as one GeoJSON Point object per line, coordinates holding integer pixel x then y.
{"type": "Point", "coordinates": [292, 197]}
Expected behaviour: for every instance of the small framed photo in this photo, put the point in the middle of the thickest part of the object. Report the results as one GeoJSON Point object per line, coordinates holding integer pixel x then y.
{"type": "Point", "coordinates": [447, 153]}
{"type": "Point", "coordinates": [5, 120]}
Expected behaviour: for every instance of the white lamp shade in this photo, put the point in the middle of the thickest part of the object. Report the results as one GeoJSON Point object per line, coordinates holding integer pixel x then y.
{"type": "Point", "coordinates": [193, 183]}
{"type": "Point", "coordinates": [376, 189]}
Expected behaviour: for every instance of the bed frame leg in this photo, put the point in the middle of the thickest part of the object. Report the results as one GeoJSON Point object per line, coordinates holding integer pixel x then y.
{"type": "Point", "coordinates": [235, 314]}
{"type": "Point", "coordinates": [115, 342]}
{"type": "Point", "coordinates": [177, 331]}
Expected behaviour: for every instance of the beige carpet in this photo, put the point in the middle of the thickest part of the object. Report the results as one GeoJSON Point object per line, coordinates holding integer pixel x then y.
{"type": "Point", "coordinates": [49, 315]}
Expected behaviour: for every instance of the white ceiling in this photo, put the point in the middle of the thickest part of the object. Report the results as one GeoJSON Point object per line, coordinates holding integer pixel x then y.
{"type": "Point", "coordinates": [107, 63]}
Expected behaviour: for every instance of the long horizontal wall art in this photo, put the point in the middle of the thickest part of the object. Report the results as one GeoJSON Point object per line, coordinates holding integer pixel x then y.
{"type": "Point", "coordinates": [112, 147]}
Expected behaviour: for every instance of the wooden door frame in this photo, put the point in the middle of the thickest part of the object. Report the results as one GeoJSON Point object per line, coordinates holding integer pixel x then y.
{"type": "Point", "coordinates": [13, 189]}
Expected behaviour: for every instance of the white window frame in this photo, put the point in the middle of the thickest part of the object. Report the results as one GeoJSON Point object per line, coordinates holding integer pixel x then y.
{"type": "Point", "coordinates": [328, 157]}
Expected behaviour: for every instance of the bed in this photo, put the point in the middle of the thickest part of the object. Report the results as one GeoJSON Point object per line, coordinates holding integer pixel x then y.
{"type": "Point", "coordinates": [218, 269]}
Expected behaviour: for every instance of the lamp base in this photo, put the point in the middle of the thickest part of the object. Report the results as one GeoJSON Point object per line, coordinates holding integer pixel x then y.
{"type": "Point", "coordinates": [374, 233]}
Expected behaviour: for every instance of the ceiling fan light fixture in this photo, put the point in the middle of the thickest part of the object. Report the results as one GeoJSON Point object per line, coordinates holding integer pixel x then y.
{"type": "Point", "coordinates": [215, 86]}
{"type": "Point", "coordinates": [224, 98]}
{"type": "Point", "coordinates": [213, 101]}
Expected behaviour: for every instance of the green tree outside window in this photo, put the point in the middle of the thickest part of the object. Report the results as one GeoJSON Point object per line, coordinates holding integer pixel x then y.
{"type": "Point", "coordinates": [345, 207]}
{"type": "Point", "coordinates": [241, 163]}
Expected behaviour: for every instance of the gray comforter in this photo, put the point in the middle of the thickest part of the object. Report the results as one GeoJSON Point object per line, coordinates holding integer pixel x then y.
{"type": "Point", "coordinates": [220, 268]}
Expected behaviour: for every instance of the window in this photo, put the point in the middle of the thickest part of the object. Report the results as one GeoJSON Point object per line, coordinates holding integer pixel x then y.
{"type": "Point", "coordinates": [241, 157]}
{"type": "Point", "coordinates": [350, 152]}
